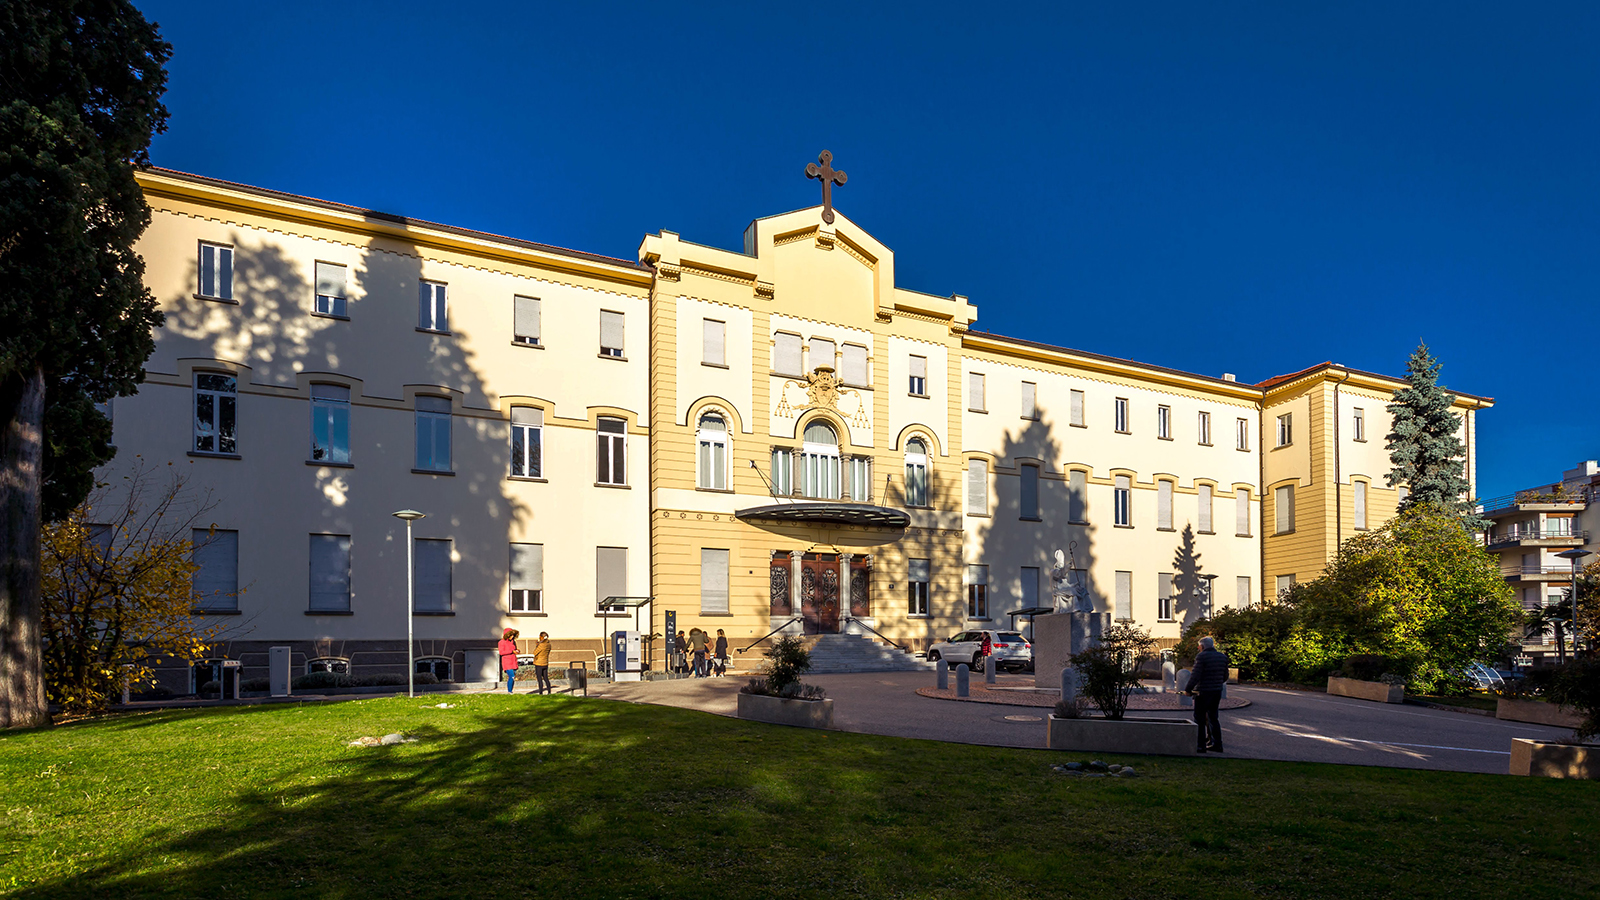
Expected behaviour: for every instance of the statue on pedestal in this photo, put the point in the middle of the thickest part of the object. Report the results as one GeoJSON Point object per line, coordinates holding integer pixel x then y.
{"type": "Point", "coordinates": [1069, 588]}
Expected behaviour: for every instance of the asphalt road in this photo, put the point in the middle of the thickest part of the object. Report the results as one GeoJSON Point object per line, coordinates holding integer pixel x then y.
{"type": "Point", "coordinates": [1279, 724]}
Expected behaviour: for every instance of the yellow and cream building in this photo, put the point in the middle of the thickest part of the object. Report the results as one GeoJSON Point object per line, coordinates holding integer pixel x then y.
{"type": "Point", "coordinates": [779, 438]}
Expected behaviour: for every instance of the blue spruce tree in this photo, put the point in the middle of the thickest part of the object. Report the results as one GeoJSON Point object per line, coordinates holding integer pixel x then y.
{"type": "Point", "coordinates": [1428, 456]}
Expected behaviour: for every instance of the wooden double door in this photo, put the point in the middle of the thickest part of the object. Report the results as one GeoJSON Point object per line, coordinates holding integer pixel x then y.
{"type": "Point", "coordinates": [822, 591]}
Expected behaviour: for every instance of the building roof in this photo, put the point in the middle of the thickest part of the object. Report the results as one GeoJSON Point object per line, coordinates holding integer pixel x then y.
{"type": "Point", "coordinates": [1276, 380]}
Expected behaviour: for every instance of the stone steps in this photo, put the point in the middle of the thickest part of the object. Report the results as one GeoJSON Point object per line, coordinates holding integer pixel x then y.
{"type": "Point", "coordinates": [833, 654]}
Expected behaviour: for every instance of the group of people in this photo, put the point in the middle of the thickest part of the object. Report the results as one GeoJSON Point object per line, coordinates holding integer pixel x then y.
{"type": "Point", "coordinates": [699, 654]}
{"type": "Point", "coordinates": [541, 661]}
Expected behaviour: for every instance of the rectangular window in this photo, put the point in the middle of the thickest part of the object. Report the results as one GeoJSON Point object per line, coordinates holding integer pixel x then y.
{"type": "Point", "coordinates": [1164, 422]}
{"type": "Point", "coordinates": [611, 334]}
{"type": "Point", "coordinates": [975, 397]}
{"type": "Point", "coordinates": [782, 472]}
{"type": "Point", "coordinates": [1078, 497]}
{"type": "Point", "coordinates": [786, 354]}
{"type": "Point", "coordinates": [1122, 501]}
{"type": "Point", "coordinates": [713, 342]}
{"type": "Point", "coordinates": [977, 592]}
{"type": "Point", "coordinates": [1121, 419]}
{"type": "Point", "coordinates": [1285, 429]}
{"type": "Point", "coordinates": [823, 353]}
{"type": "Point", "coordinates": [431, 574]}
{"type": "Point", "coordinates": [330, 423]}
{"type": "Point", "coordinates": [919, 376]}
{"type": "Point", "coordinates": [713, 581]}
{"type": "Point", "coordinates": [611, 452]}
{"type": "Point", "coordinates": [527, 442]}
{"type": "Point", "coordinates": [1030, 400]}
{"type": "Point", "coordinates": [330, 300]}
{"type": "Point", "coordinates": [1241, 512]}
{"type": "Point", "coordinates": [1242, 597]}
{"type": "Point", "coordinates": [1164, 505]}
{"type": "Point", "coordinates": [1360, 424]}
{"type": "Point", "coordinates": [1241, 439]}
{"type": "Point", "coordinates": [855, 366]}
{"type": "Point", "coordinates": [526, 578]}
{"type": "Point", "coordinates": [1205, 429]}
{"type": "Point", "coordinates": [1077, 409]}
{"type": "Point", "coordinates": [1030, 492]}
{"type": "Point", "coordinates": [1285, 582]}
{"type": "Point", "coordinates": [432, 314]}
{"type": "Point", "coordinates": [1360, 488]}
{"type": "Point", "coordinates": [1029, 582]}
{"type": "Point", "coordinates": [917, 572]}
{"type": "Point", "coordinates": [610, 576]}
{"type": "Point", "coordinates": [1164, 596]}
{"type": "Point", "coordinates": [1204, 518]}
{"type": "Point", "coordinates": [527, 315]}
{"type": "Point", "coordinates": [433, 433]}
{"type": "Point", "coordinates": [216, 581]}
{"type": "Point", "coordinates": [860, 478]}
{"type": "Point", "coordinates": [1125, 596]}
{"type": "Point", "coordinates": [1401, 493]}
{"type": "Point", "coordinates": [1283, 505]}
{"type": "Point", "coordinates": [330, 573]}
{"type": "Point", "coordinates": [216, 271]}
{"type": "Point", "coordinates": [977, 487]}
{"type": "Point", "coordinates": [215, 397]}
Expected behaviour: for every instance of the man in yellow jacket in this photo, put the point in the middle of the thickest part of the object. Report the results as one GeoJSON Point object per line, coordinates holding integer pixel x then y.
{"type": "Point", "coordinates": [541, 663]}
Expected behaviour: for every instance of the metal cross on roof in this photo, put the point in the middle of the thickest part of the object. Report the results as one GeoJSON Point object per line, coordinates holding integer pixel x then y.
{"type": "Point", "coordinates": [830, 177]}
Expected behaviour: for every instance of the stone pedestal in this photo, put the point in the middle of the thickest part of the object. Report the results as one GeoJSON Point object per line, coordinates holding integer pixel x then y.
{"type": "Point", "coordinates": [1057, 636]}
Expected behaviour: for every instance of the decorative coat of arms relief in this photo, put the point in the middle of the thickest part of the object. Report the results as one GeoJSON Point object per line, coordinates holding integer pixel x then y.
{"type": "Point", "coordinates": [822, 390]}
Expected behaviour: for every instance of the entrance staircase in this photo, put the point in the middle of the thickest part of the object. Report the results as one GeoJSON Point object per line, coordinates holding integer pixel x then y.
{"type": "Point", "coordinates": [833, 654]}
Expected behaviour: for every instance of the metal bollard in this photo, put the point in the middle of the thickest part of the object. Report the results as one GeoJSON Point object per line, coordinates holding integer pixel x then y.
{"type": "Point", "coordinates": [961, 681]}
{"type": "Point", "coordinates": [943, 668]}
{"type": "Point", "coordinates": [988, 669]}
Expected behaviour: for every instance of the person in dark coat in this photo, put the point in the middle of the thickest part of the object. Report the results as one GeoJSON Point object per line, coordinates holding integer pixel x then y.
{"type": "Point", "coordinates": [1206, 681]}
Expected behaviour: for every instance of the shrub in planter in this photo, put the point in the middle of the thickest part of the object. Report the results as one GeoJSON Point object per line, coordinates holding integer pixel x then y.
{"type": "Point", "coordinates": [157, 692]}
{"type": "Point", "coordinates": [1373, 667]}
{"type": "Point", "coordinates": [1109, 671]}
{"type": "Point", "coordinates": [1576, 686]}
{"type": "Point", "coordinates": [787, 660]}
{"type": "Point", "coordinates": [256, 684]}
{"type": "Point", "coordinates": [210, 690]}
{"type": "Point", "coordinates": [388, 680]}
{"type": "Point", "coordinates": [313, 680]}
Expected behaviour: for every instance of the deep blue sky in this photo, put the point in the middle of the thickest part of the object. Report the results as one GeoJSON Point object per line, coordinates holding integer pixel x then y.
{"type": "Point", "coordinates": [1250, 188]}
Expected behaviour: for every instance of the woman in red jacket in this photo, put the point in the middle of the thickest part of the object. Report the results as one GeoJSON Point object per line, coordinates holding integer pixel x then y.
{"type": "Point", "coordinates": [508, 658]}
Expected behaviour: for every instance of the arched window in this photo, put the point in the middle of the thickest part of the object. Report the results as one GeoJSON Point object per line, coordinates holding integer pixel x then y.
{"type": "Point", "coordinates": [336, 665]}
{"type": "Point", "coordinates": [712, 437]}
{"type": "Point", "coordinates": [819, 462]}
{"type": "Point", "coordinates": [437, 666]}
{"type": "Point", "coordinates": [916, 473]}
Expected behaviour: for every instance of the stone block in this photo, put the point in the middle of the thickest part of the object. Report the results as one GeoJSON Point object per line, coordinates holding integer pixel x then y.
{"type": "Point", "coordinates": [783, 711]}
{"type": "Point", "coordinates": [1537, 712]}
{"type": "Point", "coordinates": [1547, 760]}
{"type": "Point", "coordinates": [1057, 636]}
{"type": "Point", "coordinates": [1376, 691]}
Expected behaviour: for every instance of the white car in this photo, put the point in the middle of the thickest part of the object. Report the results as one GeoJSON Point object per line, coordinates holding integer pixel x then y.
{"type": "Point", "coordinates": [1010, 650]}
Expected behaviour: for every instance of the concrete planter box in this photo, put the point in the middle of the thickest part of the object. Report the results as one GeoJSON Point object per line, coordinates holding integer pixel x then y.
{"type": "Point", "coordinates": [1159, 737]}
{"type": "Point", "coordinates": [1555, 760]}
{"type": "Point", "coordinates": [1376, 691]}
{"type": "Point", "coordinates": [1536, 711]}
{"type": "Point", "coordinates": [781, 711]}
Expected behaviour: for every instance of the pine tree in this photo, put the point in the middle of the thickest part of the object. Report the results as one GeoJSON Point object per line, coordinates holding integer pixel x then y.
{"type": "Point", "coordinates": [1428, 456]}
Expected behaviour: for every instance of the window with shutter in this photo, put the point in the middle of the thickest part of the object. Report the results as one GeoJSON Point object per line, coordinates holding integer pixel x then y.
{"type": "Point", "coordinates": [917, 571]}
{"type": "Point", "coordinates": [1077, 408]}
{"type": "Point", "coordinates": [713, 581]}
{"type": "Point", "coordinates": [526, 579]}
{"type": "Point", "coordinates": [525, 328]}
{"type": "Point", "coordinates": [1030, 400]}
{"type": "Point", "coordinates": [975, 392]}
{"type": "Point", "coordinates": [786, 354]}
{"type": "Point", "coordinates": [855, 366]}
{"type": "Point", "coordinates": [1204, 518]}
{"type": "Point", "coordinates": [216, 581]}
{"type": "Point", "coordinates": [1164, 596]}
{"type": "Point", "coordinates": [1078, 497]}
{"type": "Point", "coordinates": [1242, 434]}
{"type": "Point", "coordinates": [1122, 501]}
{"type": "Point", "coordinates": [1360, 424]}
{"type": "Point", "coordinates": [977, 487]}
{"type": "Point", "coordinates": [1205, 429]}
{"type": "Point", "coordinates": [919, 376]}
{"type": "Point", "coordinates": [432, 310]}
{"type": "Point", "coordinates": [431, 581]}
{"type": "Point", "coordinates": [330, 297]}
{"type": "Point", "coordinates": [1285, 429]}
{"type": "Point", "coordinates": [1241, 512]}
{"type": "Point", "coordinates": [1164, 422]}
{"type": "Point", "coordinates": [1283, 505]}
{"type": "Point", "coordinates": [823, 354]}
{"type": "Point", "coordinates": [527, 442]}
{"type": "Point", "coordinates": [611, 334]}
{"type": "Point", "coordinates": [1164, 505]}
{"type": "Point", "coordinates": [977, 592]}
{"type": "Point", "coordinates": [330, 573]}
{"type": "Point", "coordinates": [1030, 492]}
{"type": "Point", "coordinates": [1242, 597]}
{"type": "Point", "coordinates": [1029, 582]}
{"type": "Point", "coordinates": [1125, 596]}
{"type": "Point", "coordinates": [611, 575]}
{"type": "Point", "coordinates": [1121, 419]}
{"type": "Point", "coordinates": [1360, 499]}
{"type": "Point", "coordinates": [713, 340]}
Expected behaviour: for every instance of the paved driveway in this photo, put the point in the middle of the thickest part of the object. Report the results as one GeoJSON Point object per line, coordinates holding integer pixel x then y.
{"type": "Point", "coordinates": [1286, 725]}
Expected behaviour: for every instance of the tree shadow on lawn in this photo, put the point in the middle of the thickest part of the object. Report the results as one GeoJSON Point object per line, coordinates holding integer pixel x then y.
{"type": "Point", "coordinates": [598, 798]}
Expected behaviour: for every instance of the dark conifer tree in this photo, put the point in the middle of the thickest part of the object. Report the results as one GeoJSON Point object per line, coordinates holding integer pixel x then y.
{"type": "Point", "coordinates": [1424, 445]}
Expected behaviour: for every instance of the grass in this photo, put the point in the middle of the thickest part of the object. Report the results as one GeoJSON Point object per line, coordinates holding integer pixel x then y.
{"type": "Point", "coordinates": [558, 797]}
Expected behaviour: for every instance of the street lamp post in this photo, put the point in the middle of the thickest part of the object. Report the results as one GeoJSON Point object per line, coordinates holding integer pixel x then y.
{"type": "Point", "coordinates": [410, 515]}
{"type": "Point", "coordinates": [1574, 555]}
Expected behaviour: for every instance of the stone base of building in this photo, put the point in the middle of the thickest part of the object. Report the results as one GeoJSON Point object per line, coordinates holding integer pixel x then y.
{"type": "Point", "coordinates": [1547, 760]}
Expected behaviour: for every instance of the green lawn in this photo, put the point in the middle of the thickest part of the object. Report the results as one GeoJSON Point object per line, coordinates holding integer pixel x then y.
{"type": "Point", "coordinates": [512, 797]}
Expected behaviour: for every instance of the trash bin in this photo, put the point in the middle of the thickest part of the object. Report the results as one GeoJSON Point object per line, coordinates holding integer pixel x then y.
{"type": "Point", "coordinates": [577, 677]}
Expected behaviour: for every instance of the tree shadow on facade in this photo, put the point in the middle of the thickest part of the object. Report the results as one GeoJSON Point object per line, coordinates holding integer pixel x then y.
{"type": "Point", "coordinates": [1192, 598]}
{"type": "Point", "coordinates": [277, 495]}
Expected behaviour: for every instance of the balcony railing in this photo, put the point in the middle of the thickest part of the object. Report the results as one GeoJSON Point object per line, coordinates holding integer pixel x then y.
{"type": "Point", "coordinates": [1537, 534]}
{"type": "Point", "coordinates": [1520, 498]}
{"type": "Point", "coordinates": [1526, 572]}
